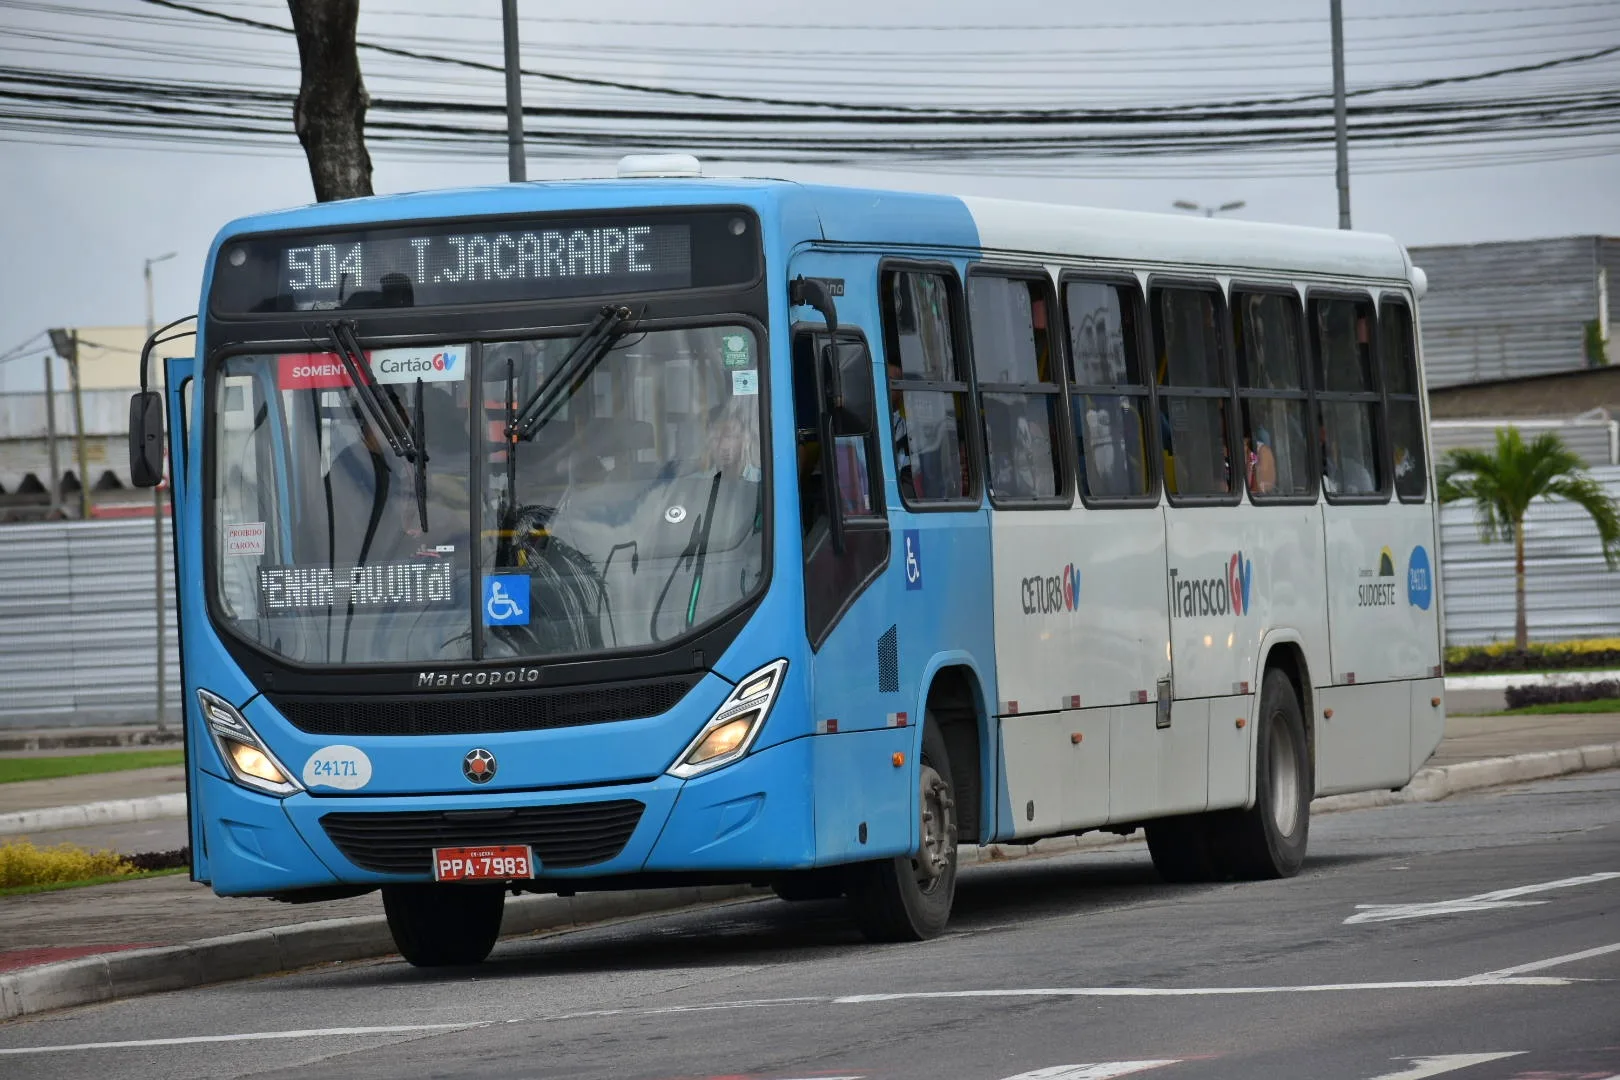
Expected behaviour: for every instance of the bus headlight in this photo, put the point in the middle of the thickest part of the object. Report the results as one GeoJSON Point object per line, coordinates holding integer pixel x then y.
{"type": "Point", "coordinates": [731, 730]}
{"type": "Point", "coordinates": [250, 761]}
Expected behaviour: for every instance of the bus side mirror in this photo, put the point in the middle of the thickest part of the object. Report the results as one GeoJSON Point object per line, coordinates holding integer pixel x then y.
{"type": "Point", "coordinates": [146, 439]}
{"type": "Point", "coordinates": [850, 388]}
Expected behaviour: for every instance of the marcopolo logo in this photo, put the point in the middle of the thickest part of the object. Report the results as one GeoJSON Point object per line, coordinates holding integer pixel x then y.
{"type": "Point", "coordinates": [1419, 579]}
{"type": "Point", "coordinates": [472, 680]}
{"type": "Point", "coordinates": [1044, 595]}
{"type": "Point", "coordinates": [1228, 594]}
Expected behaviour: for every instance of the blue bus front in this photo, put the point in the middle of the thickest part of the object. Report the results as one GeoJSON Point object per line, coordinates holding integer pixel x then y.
{"type": "Point", "coordinates": [484, 544]}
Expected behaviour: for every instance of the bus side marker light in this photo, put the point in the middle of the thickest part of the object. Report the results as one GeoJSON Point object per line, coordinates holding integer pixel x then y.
{"type": "Point", "coordinates": [1242, 723]}
{"type": "Point", "coordinates": [899, 759]}
{"type": "Point", "coordinates": [1077, 737]}
{"type": "Point", "coordinates": [1327, 714]}
{"type": "Point", "coordinates": [1435, 702]}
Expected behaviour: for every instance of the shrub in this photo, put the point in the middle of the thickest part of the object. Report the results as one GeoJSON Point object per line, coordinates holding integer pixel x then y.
{"type": "Point", "coordinates": [1554, 655]}
{"type": "Point", "coordinates": [177, 859]}
{"type": "Point", "coordinates": [1519, 697]}
{"type": "Point", "coordinates": [21, 863]}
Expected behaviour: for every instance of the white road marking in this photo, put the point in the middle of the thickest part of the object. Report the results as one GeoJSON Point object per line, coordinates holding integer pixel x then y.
{"type": "Point", "coordinates": [1100, 1070]}
{"type": "Point", "coordinates": [1543, 965]}
{"type": "Point", "coordinates": [1202, 991]}
{"type": "Point", "coordinates": [1498, 898]}
{"type": "Point", "coordinates": [1444, 1063]}
{"type": "Point", "coordinates": [246, 1036]}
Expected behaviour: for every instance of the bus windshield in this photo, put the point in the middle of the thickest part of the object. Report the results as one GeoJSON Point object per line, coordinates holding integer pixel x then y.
{"type": "Point", "coordinates": [632, 514]}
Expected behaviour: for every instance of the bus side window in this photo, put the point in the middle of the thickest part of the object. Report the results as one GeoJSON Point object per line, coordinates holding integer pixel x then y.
{"type": "Point", "coordinates": [1019, 395]}
{"type": "Point", "coordinates": [1271, 386]}
{"type": "Point", "coordinates": [1195, 407]}
{"type": "Point", "coordinates": [1347, 398]}
{"type": "Point", "coordinates": [928, 389]}
{"type": "Point", "coordinates": [1108, 396]}
{"type": "Point", "coordinates": [1397, 353]}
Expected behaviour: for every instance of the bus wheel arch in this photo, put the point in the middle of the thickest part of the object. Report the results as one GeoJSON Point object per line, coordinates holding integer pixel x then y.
{"type": "Point", "coordinates": [955, 702]}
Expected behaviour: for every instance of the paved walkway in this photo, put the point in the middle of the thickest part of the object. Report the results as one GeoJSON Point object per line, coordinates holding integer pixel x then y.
{"type": "Point", "coordinates": [92, 787]}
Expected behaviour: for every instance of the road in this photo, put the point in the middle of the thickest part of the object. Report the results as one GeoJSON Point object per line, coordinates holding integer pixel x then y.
{"type": "Point", "coordinates": [1477, 938]}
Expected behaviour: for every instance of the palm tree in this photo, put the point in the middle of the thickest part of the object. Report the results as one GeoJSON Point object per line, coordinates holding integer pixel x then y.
{"type": "Point", "coordinates": [1502, 486]}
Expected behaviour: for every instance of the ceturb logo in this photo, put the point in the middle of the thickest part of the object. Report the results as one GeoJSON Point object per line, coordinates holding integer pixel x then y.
{"type": "Point", "coordinates": [1227, 594]}
{"type": "Point", "coordinates": [1044, 595]}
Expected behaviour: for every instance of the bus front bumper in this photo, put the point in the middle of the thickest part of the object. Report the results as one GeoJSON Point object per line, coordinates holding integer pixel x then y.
{"type": "Point", "coordinates": [758, 814]}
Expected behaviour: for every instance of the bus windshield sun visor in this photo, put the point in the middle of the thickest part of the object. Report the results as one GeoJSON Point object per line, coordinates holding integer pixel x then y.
{"type": "Point", "coordinates": [608, 326]}
{"type": "Point", "coordinates": [406, 439]}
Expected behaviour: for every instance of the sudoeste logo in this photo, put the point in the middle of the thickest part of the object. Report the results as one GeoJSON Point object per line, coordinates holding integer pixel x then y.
{"type": "Point", "coordinates": [1419, 579]}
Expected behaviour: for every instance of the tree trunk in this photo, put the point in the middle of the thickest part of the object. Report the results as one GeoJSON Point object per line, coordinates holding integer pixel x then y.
{"type": "Point", "coordinates": [330, 114]}
{"type": "Point", "coordinates": [1521, 628]}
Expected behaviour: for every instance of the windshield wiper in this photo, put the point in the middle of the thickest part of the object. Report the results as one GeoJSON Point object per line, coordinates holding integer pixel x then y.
{"type": "Point", "coordinates": [403, 437]}
{"type": "Point", "coordinates": [575, 368]}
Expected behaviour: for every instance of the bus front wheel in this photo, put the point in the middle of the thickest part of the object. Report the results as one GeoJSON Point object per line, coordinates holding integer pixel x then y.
{"type": "Point", "coordinates": [909, 898]}
{"type": "Point", "coordinates": [444, 925]}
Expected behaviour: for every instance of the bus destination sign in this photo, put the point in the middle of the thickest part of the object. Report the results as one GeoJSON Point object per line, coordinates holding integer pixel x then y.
{"type": "Point", "coordinates": [460, 263]}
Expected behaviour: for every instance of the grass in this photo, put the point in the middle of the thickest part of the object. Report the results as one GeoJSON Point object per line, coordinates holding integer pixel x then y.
{"type": "Point", "coordinates": [50, 768]}
{"type": "Point", "coordinates": [105, 879]}
{"type": "Point", "coordinates": [1566, 708]}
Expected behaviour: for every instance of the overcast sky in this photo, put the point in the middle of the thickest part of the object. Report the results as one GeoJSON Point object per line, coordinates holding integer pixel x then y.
{"type": "Point", "coordinates": [81, 211]}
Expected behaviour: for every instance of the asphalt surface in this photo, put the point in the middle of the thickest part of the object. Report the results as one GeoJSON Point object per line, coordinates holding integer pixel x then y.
{"type": "Point", "coordinates": [1051, 963]}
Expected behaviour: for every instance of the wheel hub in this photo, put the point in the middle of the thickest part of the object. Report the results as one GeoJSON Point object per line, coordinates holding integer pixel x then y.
{"type": "Point", "coordinates": [1284, 778]}
{"type": "Point", "coordinates": [938, 829]}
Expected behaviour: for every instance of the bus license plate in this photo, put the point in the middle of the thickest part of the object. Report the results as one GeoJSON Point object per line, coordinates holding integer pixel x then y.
{"type": "Point", "coordinates": [482, 863]}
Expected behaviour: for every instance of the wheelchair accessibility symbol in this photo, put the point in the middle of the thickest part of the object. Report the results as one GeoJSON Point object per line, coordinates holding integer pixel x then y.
{"type": "Point", "coordinates": [506, 600]}
{"type": "Point", "coordinates": [913, 548]}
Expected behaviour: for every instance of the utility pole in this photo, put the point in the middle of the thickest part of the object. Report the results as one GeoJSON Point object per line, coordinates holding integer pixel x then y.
{"type": "Point", "coordinates": [1341, 127]}
{"type": "Point", "coordinates": [66, 344]}
{"type": "Point", "coordinates": [157, 530]}
{"type": "Point", "coordinates": [517, 169]}
{"type": "Point", "coordinates": [50, 436]}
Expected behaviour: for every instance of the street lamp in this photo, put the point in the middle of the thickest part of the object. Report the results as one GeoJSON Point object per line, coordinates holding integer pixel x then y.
{"type": "Point", "coordinates": [1209, 211]}
{"type": "Point", "coordinates": [157, 522]}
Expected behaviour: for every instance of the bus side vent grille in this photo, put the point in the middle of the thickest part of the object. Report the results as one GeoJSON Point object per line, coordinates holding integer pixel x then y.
{"type": "Point", "coordinates": [472, 714]}
{"type": "Point", "coordinates": [402, 842]}
{"type": "Point", "coordinates": [889, 661]}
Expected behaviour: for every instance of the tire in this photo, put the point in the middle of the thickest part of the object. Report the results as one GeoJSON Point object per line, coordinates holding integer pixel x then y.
{"type": "Point", "coordinates": [1183, 849]}
{"type": "Point", "coordinates": [803, 885]}
{"type": "Point", "coordinates": [444, 925]}
{"type": "Point", "coordinates": [909, 898]}
{"type": "Point", "coordinates": [1268, 840]}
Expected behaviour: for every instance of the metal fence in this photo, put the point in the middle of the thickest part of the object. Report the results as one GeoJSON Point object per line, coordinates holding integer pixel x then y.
{"type": "Point", "coordinates": [1569, 592]}
{"type": "Point", "coordinates": [78, 630]}
{"type": "Point", "coordinates": [78, 624]}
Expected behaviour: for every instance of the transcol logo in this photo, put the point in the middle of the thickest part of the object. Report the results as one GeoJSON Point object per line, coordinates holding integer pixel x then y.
{"type": "Point", "coordinates": [1228, 594]}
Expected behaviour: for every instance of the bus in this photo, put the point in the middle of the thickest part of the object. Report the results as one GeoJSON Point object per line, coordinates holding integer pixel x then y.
{"type": "Point", "coordinates": [666, 530]}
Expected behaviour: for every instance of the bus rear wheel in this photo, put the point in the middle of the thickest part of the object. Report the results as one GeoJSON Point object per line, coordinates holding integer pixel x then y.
{"type": "Point", "coordinates": [444, 925]}
{"type": "Point", "coordinates": [1268, 840]}
{"type": "Point", "coordinates": [909, 898]}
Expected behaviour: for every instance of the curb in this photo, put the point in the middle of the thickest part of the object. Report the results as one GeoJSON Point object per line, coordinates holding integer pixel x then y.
{"type": "Point", "coordinates": [302, 945]}
{"type": "Point", "coordinates": [1501, 680]}
{"type": "Point", "coordinates": [1433, 784]}
{"type": "Point", "coordinates": [111, 812]}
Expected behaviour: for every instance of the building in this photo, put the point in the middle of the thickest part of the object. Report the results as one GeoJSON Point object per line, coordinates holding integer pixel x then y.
{"type": "Point", "coordinates": [1518, 334]}
{"type": "Point", "coordinates": [1525, 307]}
{"type": "Point", "coordinates": [109, 371]}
